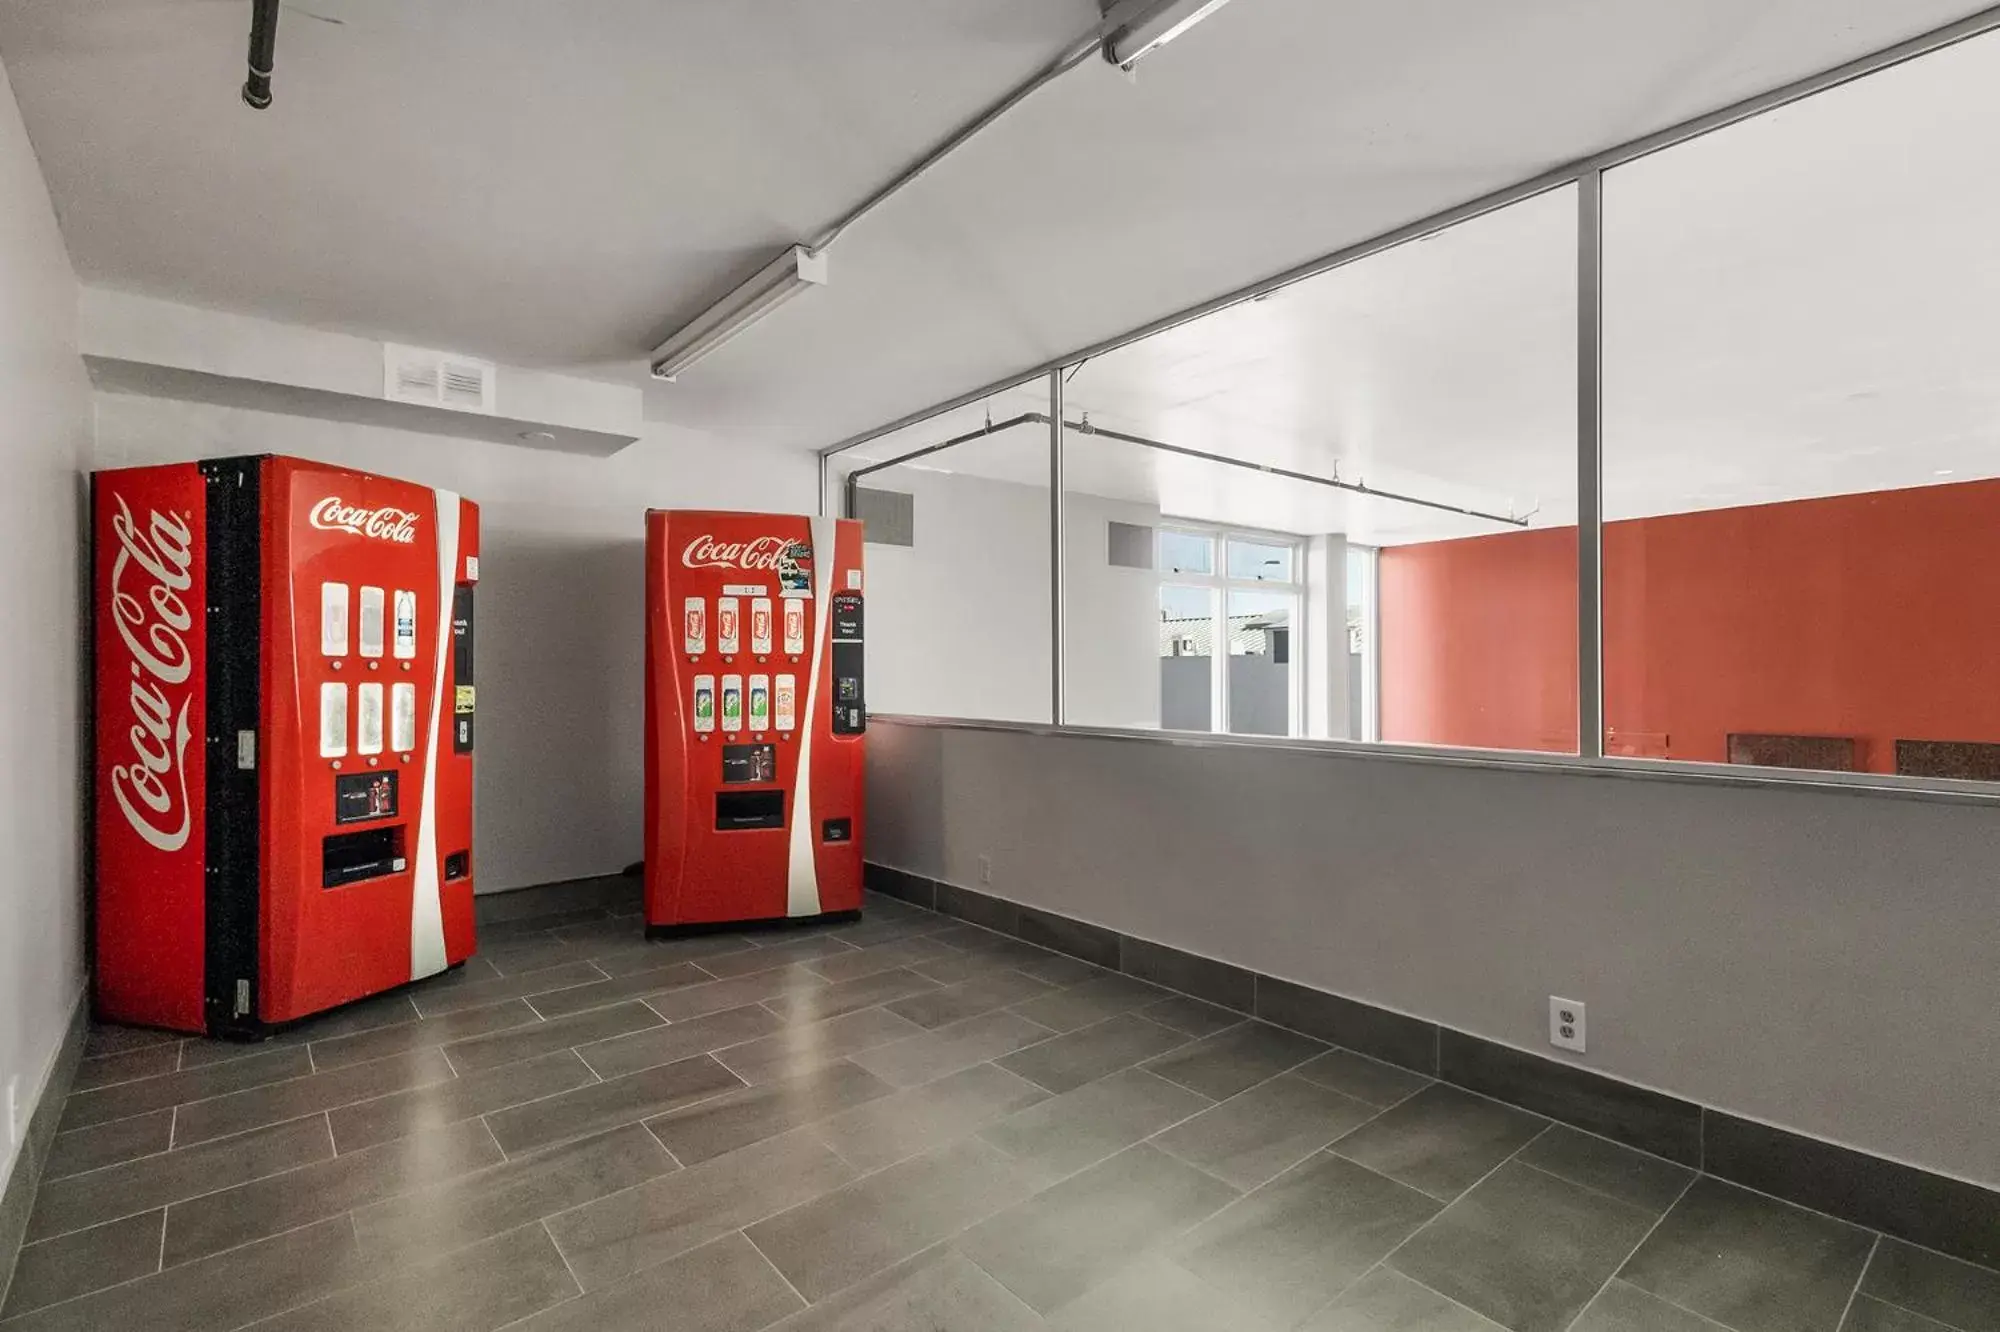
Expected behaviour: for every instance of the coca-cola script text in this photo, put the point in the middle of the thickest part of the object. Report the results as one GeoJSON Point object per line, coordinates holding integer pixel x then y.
{"type": "Point", "coordinates": [332, 514]}
{"type": "Point", "coordinates": [705, 552]}
{"type": "Point", "coordinates": [153, 619]}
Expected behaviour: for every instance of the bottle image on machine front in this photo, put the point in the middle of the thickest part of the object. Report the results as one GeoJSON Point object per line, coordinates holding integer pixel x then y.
{"type": "Point", "coordinates": [406, 624]}
{"type": "Point", "coordinates": [795, 626]}
{"type": "Point", "coordinates": [704, 703]}
{"type": "Point", "coordinates": [732, 702]}
{"type": "Point", "coordinates": [726, 627]}
{"type": "Point", "coordinates": [694, 626]}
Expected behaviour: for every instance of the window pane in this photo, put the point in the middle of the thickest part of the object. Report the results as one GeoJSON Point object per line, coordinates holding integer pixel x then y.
{"type": "Point", "coordinates": [1263, 561]}
{"type": "Point", "coordinates": [1802, 448]}
{"type": "Point", "coordinates": [1186, 552]}
{"type": "Point", "coordinates": [958, 619]}
{"type": "Point", "coordinates": [1187, 658]}
{"type": "Point", "coordinates": [1260, 662]}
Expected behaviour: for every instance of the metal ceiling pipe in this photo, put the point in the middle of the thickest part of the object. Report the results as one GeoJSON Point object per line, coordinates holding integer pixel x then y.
{"type": "Point", "coordinates": [263, 43]}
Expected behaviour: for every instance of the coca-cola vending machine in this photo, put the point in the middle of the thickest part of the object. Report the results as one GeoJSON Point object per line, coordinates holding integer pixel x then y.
{"type": "Point", "coordinates": [754, 718]}
{"type": "Point", "coordinates": [284, 734]}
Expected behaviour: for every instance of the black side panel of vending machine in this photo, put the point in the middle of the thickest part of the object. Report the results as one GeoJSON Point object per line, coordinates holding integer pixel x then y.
{"type": "Point", "coordinates": [234, 635]}
{"type": "Point", "coordinates": [461, 665]}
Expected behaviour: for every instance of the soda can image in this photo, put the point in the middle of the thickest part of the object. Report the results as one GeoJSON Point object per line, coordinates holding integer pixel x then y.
{"type": "Point", "coordinates": [760, 702]}
{"type": "Point", "coordinates": [760, 625]}
{"type": "Point", "coordinates": [694, 626]}
{"type": "Point", "coordinates": [732, 702]}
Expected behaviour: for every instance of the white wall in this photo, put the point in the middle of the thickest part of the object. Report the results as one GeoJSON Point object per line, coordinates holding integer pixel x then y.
{"type": "Point", "coordinates": [1829, 962]}
{"type": "Point", "coordinates": [561, 600]}
{"type": "Point", "coordinates": [44, 447]}
{"type": "Point", "coordinates": [958, 624]}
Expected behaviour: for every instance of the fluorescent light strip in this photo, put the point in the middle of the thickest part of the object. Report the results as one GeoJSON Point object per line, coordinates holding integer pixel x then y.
{"type": "Point", "coordinates": [1140, 38]}
{"type": "Point", "coordinates": [796, 270]}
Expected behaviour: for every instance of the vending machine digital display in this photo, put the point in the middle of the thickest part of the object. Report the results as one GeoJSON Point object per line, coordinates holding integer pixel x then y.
{"type": "Point", "coordinates": [284, 710]}
{"type": "Point", "coordinates": [755, 716]}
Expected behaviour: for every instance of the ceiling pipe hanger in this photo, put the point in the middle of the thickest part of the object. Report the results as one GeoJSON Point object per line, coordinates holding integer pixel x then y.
{"type": "Point", "coordinates": [1084, 427]}
{"type": "Point", "coordinates": [263, 46]}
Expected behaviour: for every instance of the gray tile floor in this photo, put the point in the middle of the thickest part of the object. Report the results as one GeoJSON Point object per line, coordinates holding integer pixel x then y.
{"type": "Point", "coordinates": [902, 1125]}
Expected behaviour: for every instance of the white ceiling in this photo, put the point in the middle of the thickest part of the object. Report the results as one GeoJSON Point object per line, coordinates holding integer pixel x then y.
{"type": "Point", "coordinates": [558, 184]}
{"type": "Point", "coordinates": [1800, 305]}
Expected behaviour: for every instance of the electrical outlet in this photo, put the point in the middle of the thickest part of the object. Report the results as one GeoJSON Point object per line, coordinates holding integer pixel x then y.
{"type": "Point", "coordinates": [14, 1125]}
{"type": "Point", "coordinates": [1566, 1024]}
{"type": "Point", "coordinates": [986, 869]}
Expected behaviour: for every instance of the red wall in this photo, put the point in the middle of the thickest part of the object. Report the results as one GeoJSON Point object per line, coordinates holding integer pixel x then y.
{"type": "Point", "coordinates": [1875, 616]}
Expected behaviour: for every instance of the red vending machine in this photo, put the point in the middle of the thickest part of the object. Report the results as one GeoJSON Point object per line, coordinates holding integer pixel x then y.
{"type": "Point", "coordinates": [284, 714]}
{"type": "Point", "coordinates": [754, 718]}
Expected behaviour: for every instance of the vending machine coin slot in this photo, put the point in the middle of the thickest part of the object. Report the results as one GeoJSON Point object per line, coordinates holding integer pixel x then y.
{"type": "Point", "coordinates": [457, 865]}
{"type": "Point", "coordinates": [836, 830]}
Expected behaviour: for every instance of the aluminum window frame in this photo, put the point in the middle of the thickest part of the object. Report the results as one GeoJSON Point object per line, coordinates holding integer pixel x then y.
{"type": "Point", "coordinates": [1587, 175]}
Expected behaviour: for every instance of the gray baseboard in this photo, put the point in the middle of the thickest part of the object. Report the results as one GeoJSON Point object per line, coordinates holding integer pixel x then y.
{"type": "Point", "coordinates": [17, 1197]}
{"type": "Point", "coordinates": [1935, 1211]}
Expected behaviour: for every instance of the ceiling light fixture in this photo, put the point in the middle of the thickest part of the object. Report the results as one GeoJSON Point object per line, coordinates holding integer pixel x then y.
{"type": "Point", "coordinates": [1153, 27]}
{"type": "Point", "coordinates": [792, 272]}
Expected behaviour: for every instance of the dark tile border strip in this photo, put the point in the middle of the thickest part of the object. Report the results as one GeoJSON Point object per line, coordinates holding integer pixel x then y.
{"type": "Point", "coordinates": [1906, 1202]}
{"type": "Point", "coordinates": [17, 1197]}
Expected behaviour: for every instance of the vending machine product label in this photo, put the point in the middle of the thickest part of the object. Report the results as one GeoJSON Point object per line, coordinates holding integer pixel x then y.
{"type": "Point", "coordinates": [705, 703]}
{"type": "Point", "coordinates": [787, 702]}
{"type": "Point", "coordinates": [368, 719]}
{"type": "Point", "coordinates": [795, 627]}
{"type": "Point", "coordinates": [732, 702]}
{"type": "Point", "coordinates": [694, 626]}
{"type": "Point", "coordinates": [406, 623]}
{"type": "Point", "coordinates": [727, 626]}
{"type": "Point", "coordinates": [403, 718]}
{"type": "Point", "coordinates": [333, 619]}
{"type": "Point", "coordinates": [760, 702]}
{"type": "Point", "coordinates": [372, 600]}
{"type": "Point", "coordinates": [760, 625]}
{"type": "Point", "coordinates": [332, 720]}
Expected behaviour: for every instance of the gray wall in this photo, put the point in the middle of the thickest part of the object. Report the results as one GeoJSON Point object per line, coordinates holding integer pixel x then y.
{"type": "Point", "coordinates": [44, 445]}
{"type": "Point", "coordinates": [1187, 693]}
{"type": "Point", "coordinates": [561, 600]}
{"type": "Point", "coordinates": [1825, 961]}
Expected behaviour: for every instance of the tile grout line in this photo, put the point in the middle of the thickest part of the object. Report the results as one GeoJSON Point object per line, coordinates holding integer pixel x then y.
{"type": "Point", "coordinates": [580, 1292]}
{"type": "Point", "coordinates": [1596, 1192]}
{"type": "Point", "coordinates": [804, 1303]}
{"type": "Point", "coordinates": [1620, 1265]}
{"type": "Point", "coordinates": [1860, 1277]}
{"type": "Point", "coordinates": [1444, 1204]}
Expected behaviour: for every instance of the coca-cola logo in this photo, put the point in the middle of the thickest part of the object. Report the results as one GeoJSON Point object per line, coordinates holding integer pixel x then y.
{"type": "Point", "coordinates": [705, 552]}
{"type": "Point", "coordinates": [333, 514]}
{"type": "Point", "coordinates": [153, 620]}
